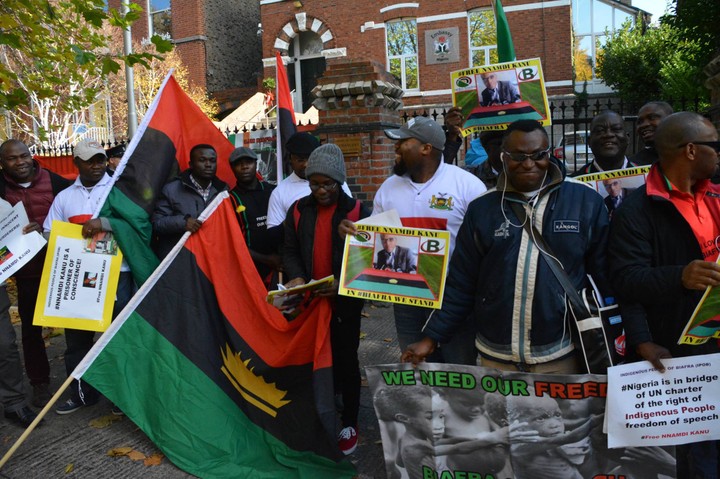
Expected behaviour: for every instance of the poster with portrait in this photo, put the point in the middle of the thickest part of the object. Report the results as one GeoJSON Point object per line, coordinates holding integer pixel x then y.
{"type": "Point", "coordinates": [16, 248]}
{"type": "Point", "coordinates": [493, 96]}
{"type": "Point", "coordinates": [79, 281]}
{"type": "Point", "coordinates": [450, 421]}
{"type": "Point", "coordinates": [615, 185]}
{"type": "Point", "coordinates": [395, 264]}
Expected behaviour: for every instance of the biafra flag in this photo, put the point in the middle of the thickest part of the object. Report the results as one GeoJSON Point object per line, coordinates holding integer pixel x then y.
{"type": "Point", "coordinates": [217, 378]}
{"type": "Point", "coordinates": [285, 114]}
{"type": "Point", "coordinates": [159, 150]}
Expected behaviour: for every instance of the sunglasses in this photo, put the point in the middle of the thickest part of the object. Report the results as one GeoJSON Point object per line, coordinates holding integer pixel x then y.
{"type": "Point", "coordinates": [521, 157]}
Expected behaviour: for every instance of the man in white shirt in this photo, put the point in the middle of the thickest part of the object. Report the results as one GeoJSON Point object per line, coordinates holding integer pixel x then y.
{"type": "Point", "coordinates": [295, 186]}
{"type": "Point", "coordinates": [427, 193]}
{"type": "Point", "coordinates": [76, 204]}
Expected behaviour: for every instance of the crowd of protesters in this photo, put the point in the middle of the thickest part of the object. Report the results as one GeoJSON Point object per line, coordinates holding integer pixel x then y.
{"type": "Point", "coordinates": [653, 249]}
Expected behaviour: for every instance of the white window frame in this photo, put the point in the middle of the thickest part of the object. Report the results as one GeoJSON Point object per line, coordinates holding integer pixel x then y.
{"type": "Point", "coordinates": [403, 57]}
{"type": "Point", "coordinates": [599, 86]}
{"type": "Point", "coordinates": [486, 48]}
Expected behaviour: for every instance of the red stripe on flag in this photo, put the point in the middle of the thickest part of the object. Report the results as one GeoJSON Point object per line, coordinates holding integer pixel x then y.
{"type": "Point", "coordinates": [241, 297]}
{"type": "Point", "coordinates": [186, 125]}
{"type": "Point", "coordinates": [285, 113]}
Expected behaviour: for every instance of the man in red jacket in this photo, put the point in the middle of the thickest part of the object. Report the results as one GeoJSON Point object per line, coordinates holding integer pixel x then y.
{"type": "Point", "coordinates": [23, 180]}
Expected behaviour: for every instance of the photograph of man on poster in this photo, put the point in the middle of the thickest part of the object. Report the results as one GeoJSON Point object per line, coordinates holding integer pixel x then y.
{"type": "Point", "coordinates": [393, 257]}
{"type": "Point", "coordinates": [500, 88]}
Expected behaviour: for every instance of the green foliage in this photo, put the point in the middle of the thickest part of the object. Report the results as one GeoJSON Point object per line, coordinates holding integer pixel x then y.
{"type": "Point", "coordinates": [268, 84]}
{"type": "Point", "coordinates": [49, 49]}
{"type": "Point", "coordinates": [657, 63]}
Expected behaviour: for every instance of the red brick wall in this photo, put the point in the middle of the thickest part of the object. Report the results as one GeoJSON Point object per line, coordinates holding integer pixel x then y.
{"type": "Point", "coordinates": [544, 33]}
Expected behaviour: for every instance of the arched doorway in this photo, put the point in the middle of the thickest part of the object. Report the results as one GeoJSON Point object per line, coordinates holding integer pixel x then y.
{"type": "Point", "coordinates": [308, 65]}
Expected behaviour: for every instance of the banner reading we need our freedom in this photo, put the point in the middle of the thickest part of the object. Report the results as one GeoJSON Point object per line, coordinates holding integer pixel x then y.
{"type": "Point", "coordinates": [443, 421]}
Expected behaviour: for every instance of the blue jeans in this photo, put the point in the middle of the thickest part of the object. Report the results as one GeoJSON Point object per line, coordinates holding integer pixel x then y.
{"type": "Point", "coordinates": [409, 322]}
{"type": "Point", "coordinates": [80, 342]}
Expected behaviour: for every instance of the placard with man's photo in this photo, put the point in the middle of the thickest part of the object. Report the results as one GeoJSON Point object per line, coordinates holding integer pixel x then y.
{"type": "Point", "coordinates": [395, 264]}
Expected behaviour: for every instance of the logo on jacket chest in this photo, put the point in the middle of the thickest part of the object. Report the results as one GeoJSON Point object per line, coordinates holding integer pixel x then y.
{"type": "Point", "coordinates": [441, 201]}
{"type": "Point", "coordinates": [566, 226]}
{"type": "Point", "coordinates": [504, 230]}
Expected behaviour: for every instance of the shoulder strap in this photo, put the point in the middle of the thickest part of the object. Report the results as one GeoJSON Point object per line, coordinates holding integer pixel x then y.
{"type": "Point", "coordinates": [555, 266]}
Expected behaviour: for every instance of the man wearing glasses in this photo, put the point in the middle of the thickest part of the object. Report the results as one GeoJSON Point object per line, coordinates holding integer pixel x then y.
{"type": "Point", "coordinates": [663, 253]}
{"type": "Point", "coordinates": [499, 281]}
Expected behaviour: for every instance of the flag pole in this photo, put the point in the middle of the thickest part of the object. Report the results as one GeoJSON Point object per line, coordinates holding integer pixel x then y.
{"type": "Point", "coordinates": [35, 422]}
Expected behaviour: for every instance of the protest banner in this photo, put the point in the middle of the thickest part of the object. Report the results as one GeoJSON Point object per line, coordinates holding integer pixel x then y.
{"type": "Point", "coordinates": [611, 182]}
{"type": "Point", "coordinates": [16, 248]}
{"type": "Point", "coordinates": [79, 281]}
{"type": "Point", "coordinates": [443, 421]}
{"type": "Point", "coordinates": [395, 264]}
{"type": "Point", "coordinates": [493, 96]}
{"type": "Point", "coordinates": [649, 408]}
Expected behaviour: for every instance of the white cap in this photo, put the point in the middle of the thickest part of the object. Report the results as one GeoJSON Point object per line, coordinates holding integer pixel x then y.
{"type": "Point", "coordinates": [86, 149]}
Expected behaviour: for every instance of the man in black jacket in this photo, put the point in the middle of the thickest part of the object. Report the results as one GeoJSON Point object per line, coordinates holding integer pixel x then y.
{"type": "Point", "coordinates": [184, 198]}
{"type": "Point", "coordinates": [662, 254]}
{"type": "Point", "coordinates": [395, 258]}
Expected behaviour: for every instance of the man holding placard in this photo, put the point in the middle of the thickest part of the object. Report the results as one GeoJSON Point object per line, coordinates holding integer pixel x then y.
{"type": "Point", "coordinates": [663, 252]}
{"type": "Point", "coordinates": [76, 205]}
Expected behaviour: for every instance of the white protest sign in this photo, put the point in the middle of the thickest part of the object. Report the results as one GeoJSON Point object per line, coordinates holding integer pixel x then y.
{"type": "Point", "coordinates": [649, 408]}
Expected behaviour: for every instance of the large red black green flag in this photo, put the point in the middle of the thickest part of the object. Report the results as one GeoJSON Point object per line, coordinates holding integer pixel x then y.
{"type": "Point", "coordinates": [217, 378]}
{"type": "Point", "coordinates": [159, 150]}
{"type": "Point", "coordinates": [285, 113]}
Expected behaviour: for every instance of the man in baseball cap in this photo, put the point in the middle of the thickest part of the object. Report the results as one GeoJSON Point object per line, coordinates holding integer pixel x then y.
{"type": "Point", "coordinates": [250, 197]}
{"type": "Point", "coordinates": [421, 128]}
{"type": "Point", "coordinates": [420, 190]}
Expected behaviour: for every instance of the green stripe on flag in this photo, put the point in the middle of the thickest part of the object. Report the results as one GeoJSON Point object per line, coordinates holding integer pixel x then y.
{"type": "Point", "coordinates": [133, 230]}
{"type": "Point", "coordinates": [198, 427]}
{"type": "Point", "coordinates": [506, 50]}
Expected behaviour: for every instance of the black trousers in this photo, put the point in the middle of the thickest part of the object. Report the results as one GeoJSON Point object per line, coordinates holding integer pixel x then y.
{"type": "Point", "coordinates": [34, 354]}
{"type": "Point", "coordinates": [345, 340]}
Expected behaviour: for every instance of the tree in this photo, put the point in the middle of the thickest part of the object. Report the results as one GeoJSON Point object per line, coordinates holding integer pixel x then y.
{"type": "Point", "coordinates": [650, 63]}
{"type": "Point", "coordinates": [50, 49]}
{"type": "Point", "coordinates": [147, 83]}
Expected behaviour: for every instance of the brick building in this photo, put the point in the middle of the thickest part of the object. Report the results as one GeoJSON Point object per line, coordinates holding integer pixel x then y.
{"type": "Point", "coordinates": [564, 34]}
{"type": "Point", "coordinates": [217, 40]}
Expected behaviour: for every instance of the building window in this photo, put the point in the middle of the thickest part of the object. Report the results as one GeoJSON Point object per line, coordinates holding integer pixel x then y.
{"type": "Point", "coordinates": [307, 67]}
{"type": "Point", "coordinates": [592, 19]}
{"type": "Point", "coordinates": [402, 52]}
{"type": "Point", "coordinates": [483, 37]}
{"type": "Point", "coordinates": [161, 19]}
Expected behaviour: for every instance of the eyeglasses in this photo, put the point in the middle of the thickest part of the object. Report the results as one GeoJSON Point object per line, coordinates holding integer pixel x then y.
{"type": "Point", "coordinates": [325, 186]}
{"type": "Point", "coordinates": [521, 157]}
{"type": "Point", "coordinates": [715, 145]}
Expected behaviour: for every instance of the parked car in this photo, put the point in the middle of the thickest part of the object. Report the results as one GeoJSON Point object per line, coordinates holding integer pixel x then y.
{"type": "Point", "coordinates": [572, 148]}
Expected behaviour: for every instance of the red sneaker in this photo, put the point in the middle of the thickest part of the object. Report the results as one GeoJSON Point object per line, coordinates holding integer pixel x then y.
{"type": "Point", "coordinates": [347, 440]}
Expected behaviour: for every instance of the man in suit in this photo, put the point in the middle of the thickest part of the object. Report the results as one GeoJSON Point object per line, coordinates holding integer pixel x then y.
{"type": "Point", "coordinates": [616, 194]}
{"type": "Point", "coordinates": [395, 258]}
{"type": "Point", "coordinates": [497, 92]}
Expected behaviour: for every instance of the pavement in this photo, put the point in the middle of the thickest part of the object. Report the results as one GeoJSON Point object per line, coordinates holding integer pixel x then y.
{"type": "Point", "coordinates": [78, 445]}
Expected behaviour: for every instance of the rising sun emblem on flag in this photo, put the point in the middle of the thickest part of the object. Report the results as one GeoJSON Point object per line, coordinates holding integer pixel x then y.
{"type": "Point", "coordinates": [261, 394]}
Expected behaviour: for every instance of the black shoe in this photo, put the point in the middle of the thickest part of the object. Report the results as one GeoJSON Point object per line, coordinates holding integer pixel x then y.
{"type": "Point", "coordinates": [116, 411]}
{"type": "Point", "coordinates": [23, 416]}
{"type": "Point", "coordinates": [72, 405]}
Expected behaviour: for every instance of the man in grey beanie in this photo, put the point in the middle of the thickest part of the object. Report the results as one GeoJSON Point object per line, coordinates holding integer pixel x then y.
{"type": "Point", "coordinates": [314, 250]}
{"type": "Point", "coordinates": [295, 186]}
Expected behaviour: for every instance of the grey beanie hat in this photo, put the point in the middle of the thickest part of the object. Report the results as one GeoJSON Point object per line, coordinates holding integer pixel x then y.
{"type": "Point", "coordinates": [327, 160]}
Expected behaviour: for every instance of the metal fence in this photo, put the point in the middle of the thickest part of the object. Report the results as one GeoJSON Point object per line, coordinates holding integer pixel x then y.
{"type": "Point", "coordinates": [568, 133]}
